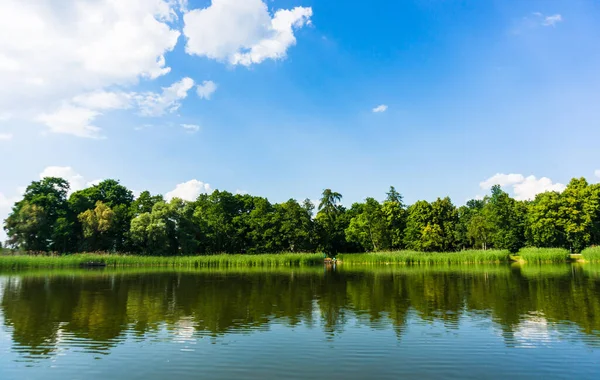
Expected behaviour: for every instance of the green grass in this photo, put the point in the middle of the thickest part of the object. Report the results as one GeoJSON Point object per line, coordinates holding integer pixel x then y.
{"type": "Point", "coordinates": [591, 254]}
{"type": "Point", "coordinates": [426, 258]}
{"type": "Point", "coordinates": [215, 261]}
{"type": "Point", "coordinates": [544, 255]}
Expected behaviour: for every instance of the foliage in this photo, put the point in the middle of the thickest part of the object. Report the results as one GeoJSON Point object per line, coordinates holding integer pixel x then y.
{"type": "Point", "coordinates": [107, 217]}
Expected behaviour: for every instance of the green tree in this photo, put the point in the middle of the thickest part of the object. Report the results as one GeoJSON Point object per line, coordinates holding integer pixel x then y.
{"type": "Point", "coordinates": [32, 225]}
{"type": "Point", "coordinates": [394, 212]}
{"type": "Point", "coordinates": [97, 225]}
{"type": "Point", "coordinates": [331, 223]}
{"type": "Point", "coordinates": [369, 227]}
{"type": "Point", "coordinates": [507, 220]}
{"type": "Point", "coordinates": [545, 227]}
{"type": "Point", "coordinates": [114, 195]}
{"type": "Point", "coordinates": [579, 213]}
{"type": "Point", "coordinates": [419, 215]}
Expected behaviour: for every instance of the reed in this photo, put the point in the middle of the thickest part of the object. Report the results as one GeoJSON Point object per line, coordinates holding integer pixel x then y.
{"type": "Point", "coordinates": [214, 261]}
{"type": "Point", "coordinates": [544, 255]}
{"type": "Point", "coordinates": [591, 254]}
{"type": "Point", "coordinates": [426, 258]}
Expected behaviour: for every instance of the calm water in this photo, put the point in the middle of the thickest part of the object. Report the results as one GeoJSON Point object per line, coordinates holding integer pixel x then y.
{"type": "Point", "coordinates": [377, 323]}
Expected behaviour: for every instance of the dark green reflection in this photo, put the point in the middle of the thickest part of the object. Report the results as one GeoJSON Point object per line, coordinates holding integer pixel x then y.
{"type": "Point", "coordinates": [99, 308]}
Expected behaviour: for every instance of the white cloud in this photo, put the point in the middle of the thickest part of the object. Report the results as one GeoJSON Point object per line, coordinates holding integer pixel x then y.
{"type": "Point", "coordinates": [76, 116]}
{"type": "Point", "coordinates": [154, 104]}
{"type": "Point", "coordinates": [104, 100]}
{"type": "Point", "coordinates": [502, 180]}
{"type": "Point", "coordinates": [72, 120]}
{"type": "Point", "coordinates": [5, 116]}
{"type": "Point", "coordinates": [242, 32]}
{"type": "Point", "coordinates": [6, 136]}
{"type": "Point", "coordinates": [380, 108]}
{"type": "Point", "coordinates": [524, 188]}
{"type": "Point", "coordinates": [532, 186]}
{"type": "Point", "coordinates": [50, 52]}
{"type": "Point", "coordinates": [76, 180]}
{"type": "Point", "coordinates": [552, 20]}
{"type": "Point", "coordinates": [597, 173]}
{"type": "Point", "coordinates": [189, 191]}
{"type": "Point", "coordinates": [191, 128]}
{"type": "Point", "coordinates": [206, 89]}
{"type": "Point", "coordinates": [241, 192]}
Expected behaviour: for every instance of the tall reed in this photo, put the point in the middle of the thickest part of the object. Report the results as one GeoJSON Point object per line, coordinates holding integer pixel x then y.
{"type": "Point", "coordinates": [76, 260]}
{"type": "Point", "coordinates": [544, 255]}
{"type": "Point", "coordinates": [427, 258]}
{"type": "Point", "coordinates": [591, 254]}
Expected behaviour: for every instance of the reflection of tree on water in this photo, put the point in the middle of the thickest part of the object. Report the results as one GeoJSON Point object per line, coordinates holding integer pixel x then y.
{"type": "Point", "coordinates": [102, 308]}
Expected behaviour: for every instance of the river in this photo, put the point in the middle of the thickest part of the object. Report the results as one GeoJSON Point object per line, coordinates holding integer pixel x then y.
{"type": "Point", "coordinates": [388, 322]}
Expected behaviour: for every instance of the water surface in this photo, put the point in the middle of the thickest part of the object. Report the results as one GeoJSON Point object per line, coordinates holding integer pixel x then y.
{"type": "Point", "coordinates": [350, 323]}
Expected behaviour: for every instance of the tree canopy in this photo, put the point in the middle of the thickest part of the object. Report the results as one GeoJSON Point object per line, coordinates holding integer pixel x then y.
{"type": "Point", "coordinates": [107, 217]}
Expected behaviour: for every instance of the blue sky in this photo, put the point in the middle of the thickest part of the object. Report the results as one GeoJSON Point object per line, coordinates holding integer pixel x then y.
{"type": "Point", "coordinates": [472, 88]}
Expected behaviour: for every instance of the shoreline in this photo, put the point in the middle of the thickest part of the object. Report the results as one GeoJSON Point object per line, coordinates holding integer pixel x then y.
{"type": "Point", "coordinates": [102, 260]}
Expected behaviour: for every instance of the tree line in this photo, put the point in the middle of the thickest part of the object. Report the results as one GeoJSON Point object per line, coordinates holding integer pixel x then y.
{"type": "Point", "coordinates": [107, 217]}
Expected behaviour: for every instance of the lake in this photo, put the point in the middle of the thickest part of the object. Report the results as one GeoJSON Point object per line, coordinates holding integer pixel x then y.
{"type": "Point", "coordinates": [385, 322]}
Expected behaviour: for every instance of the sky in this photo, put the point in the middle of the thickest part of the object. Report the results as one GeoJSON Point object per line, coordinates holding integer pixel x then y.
{"type": "Point", "coordinates": [285, 98]}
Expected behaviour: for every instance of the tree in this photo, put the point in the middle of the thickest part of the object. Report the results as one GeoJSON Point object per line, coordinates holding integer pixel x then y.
{"type": "Point", "coordinates": [369, 227]}
{"type": "Point", "coordinates": [331, 223]}
{"type": "Point", "coordinates": [394, 212]}
{"type": "Point", "coordinates": [32, 225]}
{"type": "Point", "coordinates": [507, 220]}
{"type": "Point", "coordinates": [445, 216]}
{"type": "Point", "coordinates": [296, 227]}
{"type": "Point", "coordinates": [419, 215]}
{"type": "Point", "coordinates": [97, 226]}
{"type": "Point", "coordinates": [479, 231]}
{"type": "Point", "coordinates": [579, 213]}
{"type": "Point", "coordinates": [545, 227]}
{"type": "Point", "coordinates": [144, 203]}
{"type": "Point", "coordinates": [114, 195]}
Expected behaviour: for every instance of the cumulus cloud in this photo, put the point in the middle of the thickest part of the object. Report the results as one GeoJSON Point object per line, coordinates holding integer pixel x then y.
{"type": "Point", "coordinates": [380, 108]}
{"type": "Point", "coordinates": [191, 128]}
{"type": "Point", "coordinates": [76, 116]}
{"type": "Point", "coordinates": [154, 104]}
{"type": "Point", "coordinates": [242, 32]}
{"type": "Point", "coordinates": [6, 136]}
{"type": "Point", "coordinates": [56, 52]}
{"type": "Point", "coordinates": [206, 89]}
{"type": "Point", "coordinates": [76, 180]}
{"type": "Point", "coordinates": [502, 180]}
{"type": "Point", "coordinates": [72, 120]}
{"type": "Point", "coordinates": [189, 191]}
{"type": "Point", "coordinates": [104, 100]}
{"type": "Point", "coordinates": [523, 188]}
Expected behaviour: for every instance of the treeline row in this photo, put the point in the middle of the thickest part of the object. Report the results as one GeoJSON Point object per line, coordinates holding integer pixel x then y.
{"type": "Point", "coordinates": [107, 217]}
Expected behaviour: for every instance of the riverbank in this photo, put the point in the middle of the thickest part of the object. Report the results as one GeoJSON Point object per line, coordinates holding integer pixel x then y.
{"type": "Point", "coordinates": [526, 255]}
{"type": "Point", "coordinates": [108, 260]}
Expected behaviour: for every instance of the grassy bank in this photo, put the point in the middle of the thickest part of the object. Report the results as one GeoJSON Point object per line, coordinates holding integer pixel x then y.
{"type": "Point", "coordinates": [544, 255]}
{"type": "Point", "coordinates": [426, 258]}
{"type": "Point", "coordinates": [591, 254]}
{"type": "Point", "coordinates": [215, 261]}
